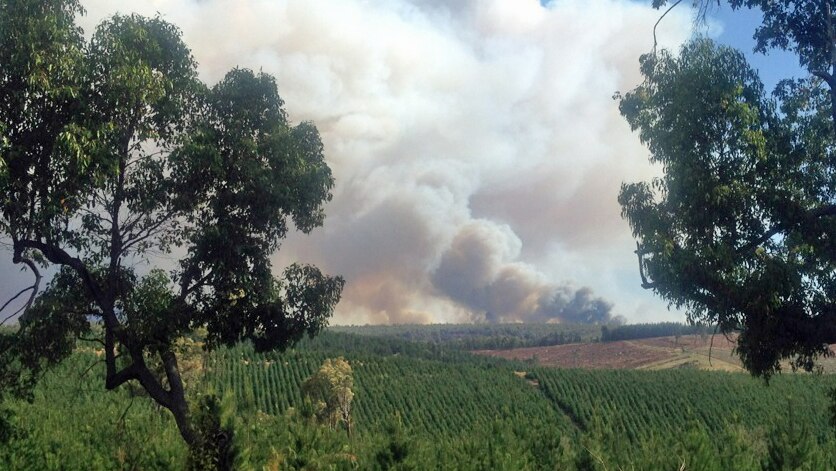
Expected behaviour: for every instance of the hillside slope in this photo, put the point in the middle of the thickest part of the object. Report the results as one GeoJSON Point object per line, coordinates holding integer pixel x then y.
{"type": "Point", "coordinates": [687, 351]}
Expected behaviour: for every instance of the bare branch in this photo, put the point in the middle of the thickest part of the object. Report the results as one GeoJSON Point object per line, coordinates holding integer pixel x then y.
{"type": "Point", "coordinates": [121, 419]}
{"type": "Point", "coordinates": [827, 210]}
{"type": "Point", "coordinates": [760, 240]}
{"type": "Point", "coordinates": [711, 348]}
{"type": "Point", "coordinates": [147, 232]}
{"type": "Point", "coordinates": [19, 258]}
{"type": "Point", "coordinates": [138, 159]}
{"type": "Point", "coordinates": [19, 294]}
{"type": "Point", "coordinates": [115, 379]}
{"type": "Point", "coordinates": [90, 367]}
{"type": "Point", "coordinates": [96, 215]}
{"type": "Point", "coordinates": [13, 314]}
{"type": "Point", "coordinates": [655, 43]}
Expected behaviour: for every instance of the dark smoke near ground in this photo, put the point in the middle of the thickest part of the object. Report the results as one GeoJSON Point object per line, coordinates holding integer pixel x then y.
{"type": "Point", "coordinates": [578, 307]}
{"type": "Point", "coordinates": [478, 273]}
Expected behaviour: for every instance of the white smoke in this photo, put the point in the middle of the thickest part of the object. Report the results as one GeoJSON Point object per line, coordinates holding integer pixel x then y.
{"type": "Point", "coordinates": [475, 144]}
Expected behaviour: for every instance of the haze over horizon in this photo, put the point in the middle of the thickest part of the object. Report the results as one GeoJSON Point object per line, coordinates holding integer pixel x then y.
{"type": "Point", "coordinates": [476, 147]}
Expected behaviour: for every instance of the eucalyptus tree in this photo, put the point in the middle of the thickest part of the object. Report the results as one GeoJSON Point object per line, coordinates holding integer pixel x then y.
{"type": "Point", "coordinates": [741, 228]}
{"type": "Point", "coordinates": [331, 390]}
{"type": "Point", "coordinates": [159, 200]}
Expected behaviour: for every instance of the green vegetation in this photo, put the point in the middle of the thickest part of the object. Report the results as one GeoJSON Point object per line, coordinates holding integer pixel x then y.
{"type": "Point", "coordinates": [637, 405]}
{"type": "Point", "coordinates": [482, 336]}
{"type": "Point", "coordinates": [330, 393]}
{"type": "Point", "coordinates": [443, 397]}
{"type": "Point", "coordinates": [115, 160]}
{"type": "Point", "coordinates": [739, 230]}
{"type": "Point", "coordinates": [647, 331]}
{"type": "Point", "coordinates": [420, 406]}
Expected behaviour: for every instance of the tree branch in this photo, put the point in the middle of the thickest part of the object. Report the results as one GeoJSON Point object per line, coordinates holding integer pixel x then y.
{"type": "Point", "coordinates": [20, 293]}
{"type": "Point", "coordinates": [760, 240]}
{"type": "Point", "coordinates": [827, 210]}
{"type": "Point", "coordinates": [179, 406]}
{"type": "Point", "coordinates": [90, 367]}
{"type": "Point", "coordinates": [639, 253]}
{"type": "Point", "coordinates": [58, 256]}
{"type": "Point", "coordinates": [99, 341]}
{"type": "Point", "coordinates": [19, 258]}
{"type": "Point", "coordinates": [824, 76]}
{"type": "Point", "coordinates": [823, 211]}
{"type": "Point", "coordinates": [139, 371]}
{"type": "Point", "coordinates": [115, 378]}
{"type": "Point", "coordinates": [96, 215]}
{"type": "Point", "coordinates": [146, 232]}
{"type": "Point", "coordinates": [185, 291]}
{"type": "Point", "coordinates": [655, 43]}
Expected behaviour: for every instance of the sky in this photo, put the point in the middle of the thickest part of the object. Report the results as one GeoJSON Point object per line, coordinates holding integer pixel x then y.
{"type": "Point", "coordinates": [476, 146]}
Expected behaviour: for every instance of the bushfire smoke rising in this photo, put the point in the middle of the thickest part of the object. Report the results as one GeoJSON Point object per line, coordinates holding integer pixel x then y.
{"type": "Point", "coordinates": [476, 147]}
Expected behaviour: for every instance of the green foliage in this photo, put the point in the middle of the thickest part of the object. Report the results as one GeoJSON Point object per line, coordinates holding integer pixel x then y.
{"type": "Point", "coordinates": [330, 390]}
{"type": "Point", "coordinates": [646, 331]}
{"type": "Point", "coordinates": [113, 151]}
{"type": "Point", "coordinates": [792, 446]}
{"type": "Point", "coordinates": [71, 425]}
{"type": "Point", "coordinates": [765, 266]}
{"type": "Point", "coordinates": [212, 448]}
{"type": "Point", "coordinates": [638, 404]}
{"type": "Point", "coordinates": [41, 52]}
{"type": "Point", "coordinates": [445, 397]}
{"type": "Point", "coordinates": [796, 26]}
{"type": "Point", "coordinates": [480, 336]}
{"type": "Point", "coordinates": [396, 447]}
{"type": "Point", "coordinates": [453, 412]}
{"type": "Point", "coordinates": [218, 446]}
{"type": "Point", "coordinates": [739, 230]}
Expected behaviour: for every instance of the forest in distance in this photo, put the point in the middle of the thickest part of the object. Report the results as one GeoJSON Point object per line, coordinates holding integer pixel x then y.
{"type": "Point", "coordinates": [421, 404]}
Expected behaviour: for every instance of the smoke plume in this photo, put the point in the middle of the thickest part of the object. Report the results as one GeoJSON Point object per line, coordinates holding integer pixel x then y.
{"type": "Point", "coordinates": [475, 144]}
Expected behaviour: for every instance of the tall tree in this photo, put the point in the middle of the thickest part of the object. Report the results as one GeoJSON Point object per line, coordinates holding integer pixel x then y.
{"type": "Point", "coordinates": [331, 390]}
{"type": "Point", "coordinates": [741, 229]}
{"type": "Point", "coordinates": [113, 152]}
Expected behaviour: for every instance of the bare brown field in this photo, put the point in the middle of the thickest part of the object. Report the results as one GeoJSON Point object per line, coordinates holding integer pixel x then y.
{"type": "Point", "coordinates": [687, 351]}
{"type": "Point", "coordinates": [690, 351]}
{"type": "Point", "coordinates": [618, 355]}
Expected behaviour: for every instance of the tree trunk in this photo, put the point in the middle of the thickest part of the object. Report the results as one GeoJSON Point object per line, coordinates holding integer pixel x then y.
{"type": "Point", "coordinates": [179, 405]}
{"type": "Point", "coordinates": [180, 410]}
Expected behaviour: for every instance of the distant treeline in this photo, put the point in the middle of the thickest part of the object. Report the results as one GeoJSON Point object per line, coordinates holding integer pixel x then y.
{"type": "Point", "coordinates": [646, 331]}
{"type": "Point", "coordinates": [481, 336]}
{"type": "Point", "coordinates": [506, 336]}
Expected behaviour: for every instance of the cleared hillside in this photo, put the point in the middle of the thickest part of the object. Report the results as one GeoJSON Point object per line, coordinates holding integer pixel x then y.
{"type": "Point", "coordinates": [687, 351]}
{"type": "Point", "coordinates": [691, 351]}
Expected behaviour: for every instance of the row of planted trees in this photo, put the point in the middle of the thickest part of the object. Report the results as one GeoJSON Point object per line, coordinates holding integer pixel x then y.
{"type": "Point", "coordinates": [497, 421]}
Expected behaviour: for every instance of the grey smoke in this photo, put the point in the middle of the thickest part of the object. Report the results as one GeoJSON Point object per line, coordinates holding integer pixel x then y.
{"type": "Point", "coordinates": [476, 147]}
{"type": "Point", "coordinates": [479, 271]}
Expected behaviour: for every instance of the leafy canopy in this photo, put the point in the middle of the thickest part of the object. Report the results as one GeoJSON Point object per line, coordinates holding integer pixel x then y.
{"type": "Point", "coordinates": [741, 228]}
{"type": "Point", "coordinates": [112, 154]}
{"type": "Point", "coordinates": [330, 390]}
